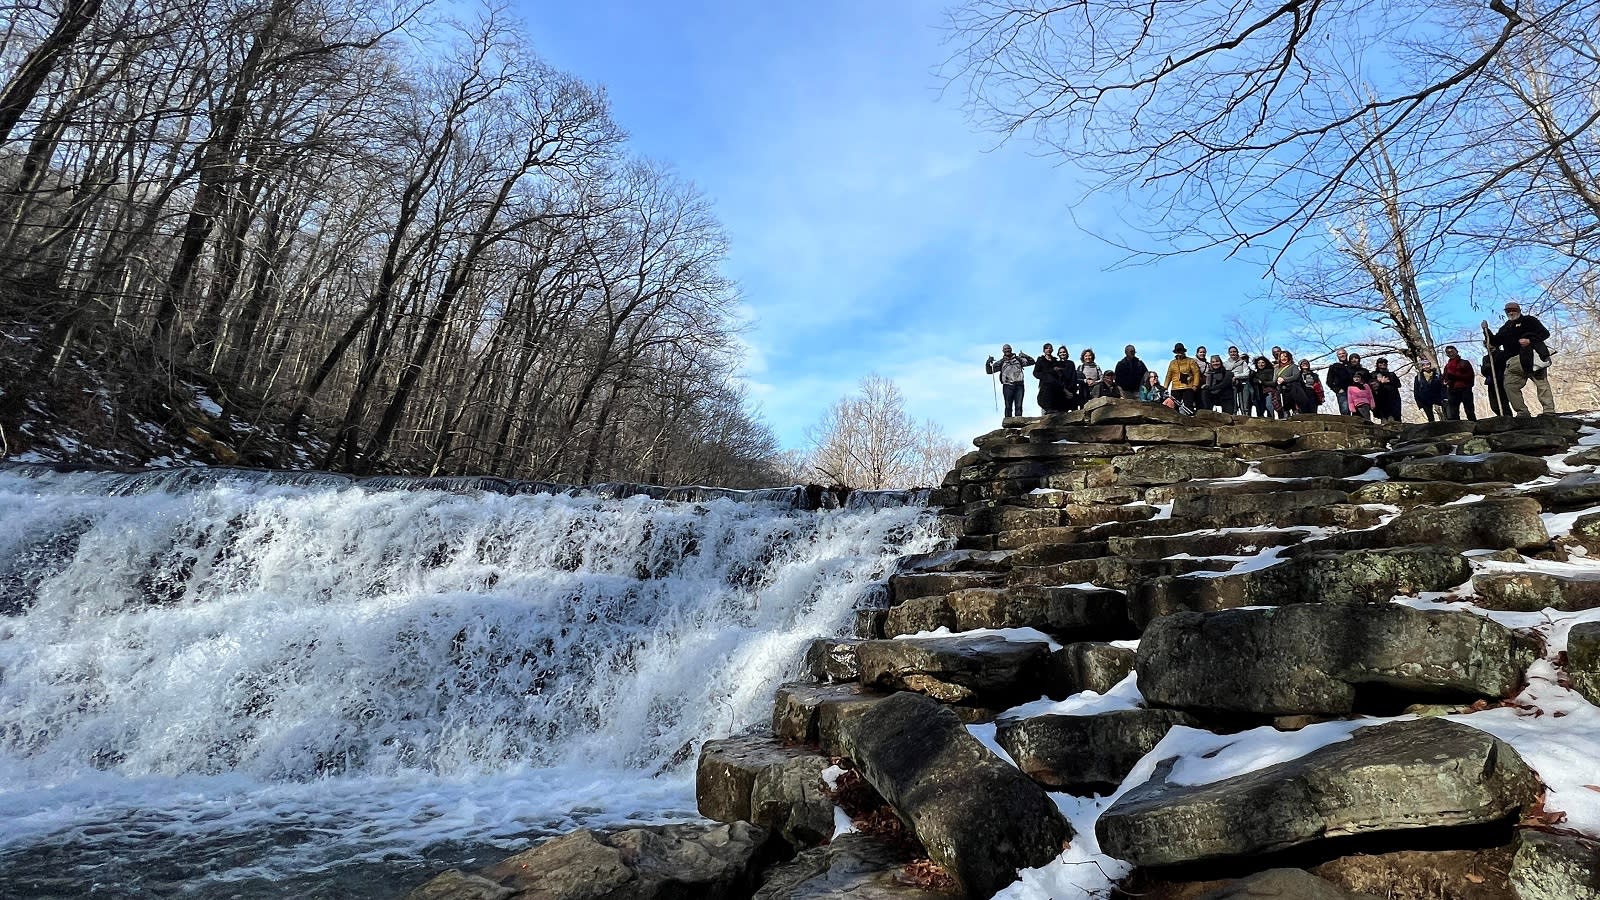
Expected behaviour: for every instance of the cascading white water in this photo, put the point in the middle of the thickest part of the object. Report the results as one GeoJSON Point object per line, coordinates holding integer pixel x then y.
{"type": "Point", "coordinates": [347, 674]}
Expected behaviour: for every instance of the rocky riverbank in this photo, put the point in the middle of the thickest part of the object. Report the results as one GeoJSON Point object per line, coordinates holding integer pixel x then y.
{"type": "Point", "coordinates": [1179, 657]}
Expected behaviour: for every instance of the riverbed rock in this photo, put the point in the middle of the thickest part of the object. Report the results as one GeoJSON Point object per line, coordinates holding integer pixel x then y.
{"type": "Point", "coordinates": [733, 770]}
{"type": "Point", "coordinates": [1526, 590]}
{"type": "Point", "coordinates": [978, 817]}
{"type": "Point", "coordinates": [1583, 660]}
{"type": "Point", "coordinates": [1164, 465]}
{"type": "Point", "coordinates": [987, 670]}
{"type": "Point", "coordinates": [1085, 754]}
{"type": "Point", "coordinates": [833, 659]}
{"type": "Point", "coordinates": [852, 867]}
{"type": "Point", "coordinates": [1510, 467]}
{"type": "Point", "coordinates": [797, 708]}
{"type": "Point", "coordinates": [1551, 866]}
{"type": "Point", "coordinates": [1087, 666]}
{"type": "Point", "coordinates": [1395, 777]}
{"type": "Point", "coordinates": [1325, 659]}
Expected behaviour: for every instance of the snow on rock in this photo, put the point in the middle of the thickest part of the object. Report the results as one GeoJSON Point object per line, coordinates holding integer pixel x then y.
{"type": "Point", "coordinates": [1084, 703]}
{"type": "Point", "coordinates": [1023, 635]}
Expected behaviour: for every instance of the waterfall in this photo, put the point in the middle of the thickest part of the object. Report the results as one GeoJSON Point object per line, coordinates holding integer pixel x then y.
{"type": "Point", "coordinates": [273, 674]}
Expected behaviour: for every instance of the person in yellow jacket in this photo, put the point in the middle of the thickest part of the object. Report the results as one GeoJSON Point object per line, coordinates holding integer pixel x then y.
{"type": "Point", "coordinates": [1183, 377]}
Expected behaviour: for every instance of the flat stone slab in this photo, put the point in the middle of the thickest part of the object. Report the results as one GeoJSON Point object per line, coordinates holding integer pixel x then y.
{"type": "Point", "coordinates": [1399, 776]}
{"type": "Point", "coordinates": [976, 671]}
{"type": "Point", "coordinates": [1532, 443]}
{"type": "Point", "coordinates": [1317, 658]}
{"type": "Point", "coordinates": [978, 817]}
{"type": "Point", "coordinates": [1227, 543]}
{"type": "Point", "coordinates": [1255, 509]}
{"type": "Point", "coordinates": [1087, 666]}
{"type": "Point", "coordinates": [1572, 492]}
{"type": "Point", "coordinates": [1066, 612]}
{"type": "Point", "coordinates": [1406, 494]}
{"type": "Point", "coordinates": [1510, 467]}
{"type": "Point", "coordinates": [853, 866]}
{"type": "Point", "coordinates": [1165, 465]}
{"type": "Point", "coordinates": [797, 708]}
{"type": "Point", "coordinates": [1529, 591]}
{"type": "Point", "coordinates": [1313, 463]}
{"type": "Point", "coordinates": [1085, 754]}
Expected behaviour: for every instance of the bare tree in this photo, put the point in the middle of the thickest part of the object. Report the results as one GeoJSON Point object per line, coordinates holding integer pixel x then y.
{"type": "Point", "coordinates": [868, 440]}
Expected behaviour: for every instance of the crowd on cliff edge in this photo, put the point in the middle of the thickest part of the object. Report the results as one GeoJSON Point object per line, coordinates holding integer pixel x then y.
{"type": "Point", "coordinates": [1275, 385]}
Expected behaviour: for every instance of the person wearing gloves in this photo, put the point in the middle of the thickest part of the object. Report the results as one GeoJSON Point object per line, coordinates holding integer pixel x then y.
{"type": "Point", "coordinates": [1183, 377]}
{"type": "Point", "coordinates": [1011, 367]}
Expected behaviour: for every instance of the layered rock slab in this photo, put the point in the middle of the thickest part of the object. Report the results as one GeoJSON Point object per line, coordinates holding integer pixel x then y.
{"type": "Point", "coordinates": [1321, 659]}
{"type": "Point", "coordinates": [986, 670]}
{"type": "Point", "coordinates": [754, 778]}
{"type": "Point", "coordinates": [1424, 773]}
{"type": "Point", "coordinates": [1084, 754]}
{"type": "Point", "coordinates": [852, 867]}
{"type": "Point", "coordinates": [979, 818]}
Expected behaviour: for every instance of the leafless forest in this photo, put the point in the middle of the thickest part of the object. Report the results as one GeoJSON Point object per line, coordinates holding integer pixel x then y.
{"type": "Point", "coordinates": [387, 230]}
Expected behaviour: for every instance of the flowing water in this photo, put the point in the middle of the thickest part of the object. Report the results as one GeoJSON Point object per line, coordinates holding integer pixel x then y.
{"type": "Point", "coordinates": [280, 686]}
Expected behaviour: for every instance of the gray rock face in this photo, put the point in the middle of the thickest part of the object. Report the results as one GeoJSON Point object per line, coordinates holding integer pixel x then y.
{"type": "Point", "coordinates": [1116, 411]}
{"type": "Point", "coordinates": [1357, 441]}
{"type": "Point", "coordinates": [1398, 776]}
{"type": "Point", "coordinates": [1533, 443]}
{"type": "Point", "coordinates": [1361, 576]}
{"type": "Point", "coordinates": [1312, 463]}
{"type": "Point", "coordinates": [1532, 591]}
{"type": "Point", "coordinates": [1583, 660]}
{"type": "Point", "coordinates": [1085, 754]}
{"type": "Point", "coordinates": [1171, 434]}
{"type": "Point", "coordinates": [1487, 525]}
{"type": "Point", "coordinates": [1555, 867]}
{"type": "Point", "coordinates": [1406, 494]}
{"type": "Point", "coordinates": [976, 671]}
{"type": "Point", "coordinates": [978, 817]}
{"type": "Point", "coordinates": [910, 587]}
{"type": "Point", "coordinates": [852, 867]}
{"type": "Point", "coordinates": [1229, 543]}
{"type": "Point", "coordinates": [734, 771]}
{"type": "Point", "coordinates": [833, 659]}
{"type": "Point", "coordinates": [660, 862]}
{"type": "Point", "coordinates": [1315, 658]}
{"type": "Point", "coordinates": [1572, 492]}
{"type": "Point", "coordinates": [1278, 508]}
{"type": "Point", "coordinates": [1087, 666]}
{"type": "Point", "coordinates": [1067, 612]}
{"type": "Point", "coordinates": [1468, 469]}
{"type": "Point", "coordinates": [797, 708]}
{"type": "Point", "coordinates": [1164, 465]}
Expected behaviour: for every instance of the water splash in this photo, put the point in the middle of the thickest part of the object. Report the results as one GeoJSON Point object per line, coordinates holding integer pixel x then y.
{"type": "Point", "coordinates": [378, 671]}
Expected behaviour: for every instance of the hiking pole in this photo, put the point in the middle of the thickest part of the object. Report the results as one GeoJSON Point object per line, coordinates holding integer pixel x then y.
{"type": "Point", "coordinates": [994, 383]}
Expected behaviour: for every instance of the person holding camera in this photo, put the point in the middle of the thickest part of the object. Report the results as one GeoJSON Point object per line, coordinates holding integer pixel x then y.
{"type": "Point", "coordinates": [1183, 377]}
{"type": "Point", "coordinates": [1011, 369]}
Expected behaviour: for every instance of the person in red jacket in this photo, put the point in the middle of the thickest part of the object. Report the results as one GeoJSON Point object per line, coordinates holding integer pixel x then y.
{"type": "Point", "coordinates": [1458, 381]}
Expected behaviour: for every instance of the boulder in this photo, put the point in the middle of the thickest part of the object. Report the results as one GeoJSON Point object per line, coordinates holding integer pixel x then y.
{"type": "Point", "coordinates": [458, 885]}
{"type": "Point", "coordinates": [1468, 469]}
{"type": "Point", "coordinates": [657, 862]}
{"type": "Point", "coordinates": [1533, 443]}
{"type": "Point", "coordinates": [797, 708]}
{"type": "Point", "coordinates": [1085, 754]}
{"type": "Point", "coordinates": [1529, 591]}
{"type": "Point", "coordinates": [1357, 441]}
{"type": "Point", "coordinates": [1407, 494]}
{"type": "Point", "coordinates": [1550, 866]}
{"type": "Point", "coordinates": [1588, 456]}
{"type": "Point", "coordinates": [1497, 524]}
{"type": "Point", "coordinates": [1310, 463]}
{"type": "Point", "coordinates": [1116, 411]}
{"type": "Point", "coordinates": [1087, 666]}
{"type": "Point", "coordinates": [1572, 492]}
{"type": "Point", "coordinates": [1395, 777]}
{"type": "Point", "coordinates": [1171, 434]}
{"type": "Point", "coordinates": [1325, 659]}
{"type": "Point", "coordinates": [833, 659]}
{"type": "Point", "coordinates": [1586, 532]}
{"type": "Point", "coordinates": [1255, 509]}
{"type": "Point", "coordinates": [979, 818]}
{"type": "Point", "coordinates": [1583, 660]}
{"type": "Point", "coordinates": [1164, 465]}
{"type": "Point", "coordinates": [1359, 576]}
{"type": "Point", "coordinates": [976, 671]}
{"type": "Point", "coordinates": [853, 866]}
{"type": "Point", "coordinates": [731, 770]}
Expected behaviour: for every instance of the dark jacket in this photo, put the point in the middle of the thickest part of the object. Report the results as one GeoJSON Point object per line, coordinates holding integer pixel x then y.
{"type": "Point", "coordinates": [1130, 373]}
{"type": "Point", "coordinates": [1338, 377]}
{"type": "Point", "coordinates": [1508, 338]}
{"type": "Point", "coordinates": [1458, 374]}
{"type": "Point", "coordinates": [1048, 371]}
{"type": "Point", "coordinates": [1427, 391]}
{"type": "Point", "coordinates": [1386, 394]}
{"type": "Point", "coordinates": [1217, 383]}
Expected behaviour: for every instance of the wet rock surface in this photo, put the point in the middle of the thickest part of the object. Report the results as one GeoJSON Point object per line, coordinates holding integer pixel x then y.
{"type": "Point", "coordinates": [1085, 754]}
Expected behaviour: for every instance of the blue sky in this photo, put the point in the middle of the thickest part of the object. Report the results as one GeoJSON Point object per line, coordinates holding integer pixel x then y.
{"type": "Point", "coordinates": [872, 227]}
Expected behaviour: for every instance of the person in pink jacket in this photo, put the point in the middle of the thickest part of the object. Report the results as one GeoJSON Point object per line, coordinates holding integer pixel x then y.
{"type": "Point", "coordinates": [1359, 396]}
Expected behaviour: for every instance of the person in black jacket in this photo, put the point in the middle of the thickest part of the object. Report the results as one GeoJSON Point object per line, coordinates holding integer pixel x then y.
{"type": "Point", "coordinates": [1520, 345]}
{"type": "Point", "coordinates": [1385, 392]}
{"type": "Point", "coordinates": [1067, 374]}
{"type": "Point", "coordinates": [1337, 379]}
{"type": "Point", "coordinates": [1427, 389]}
{"type": "Point", "coordinates": [1046, 368]}
{"type": "Point", "coordinates": [1216, 386]}
{"type": "Point", "coordinates": [1130, 373]}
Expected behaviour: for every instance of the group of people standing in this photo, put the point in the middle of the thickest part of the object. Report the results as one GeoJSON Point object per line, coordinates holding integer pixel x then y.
{"type": "Point", "coordinates": [1278, 386]}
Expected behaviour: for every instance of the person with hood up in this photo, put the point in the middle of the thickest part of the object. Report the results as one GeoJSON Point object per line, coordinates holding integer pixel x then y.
{"type": "Point", "coordinates": [1183, 377]}
{"type": "Point", "coordinates": [1385, 392]}
{"type": "Point", "coordinates": [1010, 368]}
{"type": "Point", "coordinates": [1427, 389]}
{"type": "Point", "coordinates": [1216, 387]}
{"type": "Point", "coordinates": [1458, 379]}
{"type": "Point", "coordinates": [1088, 375]}
{"type": "Point", "coordinates": [1052, 399]}
{"type": "Point", "coordinates": [1131, 372]}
